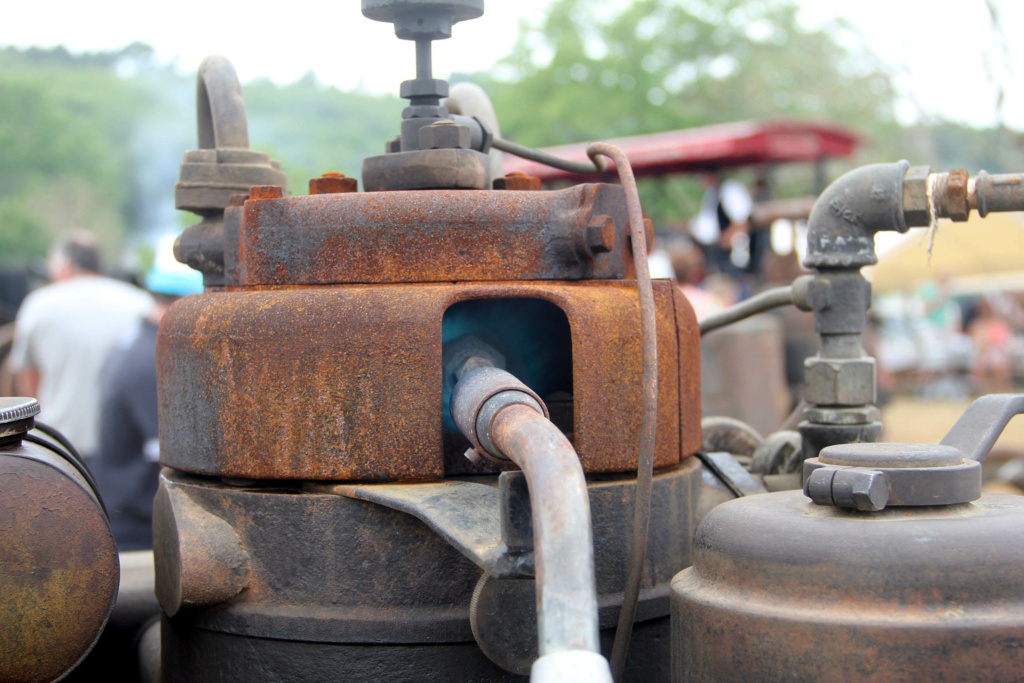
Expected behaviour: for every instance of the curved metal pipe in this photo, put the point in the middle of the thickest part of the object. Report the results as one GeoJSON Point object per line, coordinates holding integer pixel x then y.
{"type": "Point", "coordinates": [759, 303]}
{"type": "Point", "coordinates": [562, 535]}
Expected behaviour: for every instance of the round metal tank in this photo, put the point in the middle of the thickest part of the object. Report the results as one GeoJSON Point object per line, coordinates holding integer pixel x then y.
{"type": "Point", "coordinates": [784, 589]}
{"type": "Point", "coordinates": [58, 561]}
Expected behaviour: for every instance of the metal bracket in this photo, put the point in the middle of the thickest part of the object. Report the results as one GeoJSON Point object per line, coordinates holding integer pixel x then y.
{"type": "Point", "coordinates": [465, 514]}
{"type": "Point", "coordinates": [732, 474]}
{"type": "Point", "coordinates": [979, 427]}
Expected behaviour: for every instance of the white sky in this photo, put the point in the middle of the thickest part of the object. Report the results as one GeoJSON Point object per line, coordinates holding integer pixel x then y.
{"type": "Point", "coordinates": [941, 50]}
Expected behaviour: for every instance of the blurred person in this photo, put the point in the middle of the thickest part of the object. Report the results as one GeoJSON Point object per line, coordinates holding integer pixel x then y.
{"type": "Point", "coordinates": [64, 332]}
{"type": "Point", "coordinates": [722, 227]}
{"type": "Point", "coordinates": [942, 346]}
{"type": "Point", "coordinates": [991, 370]}
{"type": "Point", "coordinates": [688, 265]}
{"type": "Point", "coordinates": [126, 467]}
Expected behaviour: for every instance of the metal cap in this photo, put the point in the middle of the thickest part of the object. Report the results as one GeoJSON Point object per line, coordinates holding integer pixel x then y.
{"type": "Point", "coordinates": [873, 476]}
{"type": "Point", "coordinates": [17, 408]}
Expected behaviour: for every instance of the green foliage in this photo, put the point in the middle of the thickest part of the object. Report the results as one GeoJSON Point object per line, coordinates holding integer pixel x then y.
{"type": "Point", "coordinates": [599, 68]}
{"type": "Point", "coordinates": [311, 128]}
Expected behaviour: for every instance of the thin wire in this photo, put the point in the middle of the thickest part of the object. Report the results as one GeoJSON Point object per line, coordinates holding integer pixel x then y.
{"type": "Point", "coordinates": [590, 167]}
{"type": "Point", "coordinates": [649, 405]}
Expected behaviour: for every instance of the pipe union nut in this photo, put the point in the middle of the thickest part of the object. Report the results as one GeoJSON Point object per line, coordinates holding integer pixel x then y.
{"type": "Point", "coordinates": [839, 381]}
{"type": "Point", "coordinates": [473, 392]}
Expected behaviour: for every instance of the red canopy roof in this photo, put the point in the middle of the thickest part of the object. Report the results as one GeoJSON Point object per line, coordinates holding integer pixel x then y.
{"type": "Point", "coordinates": [708, 148]}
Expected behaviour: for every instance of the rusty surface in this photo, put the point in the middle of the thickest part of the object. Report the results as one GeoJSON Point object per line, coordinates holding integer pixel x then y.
{"type": "Point", "coordinates": [58, 566]}
{"type": "Point", "coordinates": [266, 192]}
{"type": "Point", "coordinates": [517, 181]}
{"type": "Point", "coordinates": [953, 200]}
{"type": "Point", "coordinates": [332, 183]}
{"type": "Point", "coordinates": [811, 593]}
{"type": "Point", "coordinates": [690, 407]}
{"type": "Point", "coordinates": [346, 382]}
{"type": "Point", "coordinates": [427, 236]}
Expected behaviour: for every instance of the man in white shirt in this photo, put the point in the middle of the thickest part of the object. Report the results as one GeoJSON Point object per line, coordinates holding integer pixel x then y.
{"type": "Point", "coordinates": [64, 333]}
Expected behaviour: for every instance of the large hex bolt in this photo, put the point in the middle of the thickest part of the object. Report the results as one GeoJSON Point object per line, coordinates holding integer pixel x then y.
{"type": "Point", "coordinates": [854, 488]}
{"type": "Point", "coordinates": [840, 382]}
{"type": "Point", "coordinates": [445, 134]}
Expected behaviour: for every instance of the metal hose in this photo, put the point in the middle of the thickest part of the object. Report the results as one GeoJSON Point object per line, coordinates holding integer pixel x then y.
{"type": "Point", "coordinates": [648, 408]}
{"type": "Point", "coordinates": [547, 158]}
{"type": "Point", "coordinates": [562, 535]}
{"type": "Point", "coordinates": [759, 303]}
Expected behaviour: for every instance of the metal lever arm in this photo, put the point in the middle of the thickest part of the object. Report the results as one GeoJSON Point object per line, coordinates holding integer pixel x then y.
{"type": "Point", "coordinates": [979, 427]}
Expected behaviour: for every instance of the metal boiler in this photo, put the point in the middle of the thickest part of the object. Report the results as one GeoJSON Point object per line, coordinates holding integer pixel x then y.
{"type": "Point", "coordinates": [448, 429]}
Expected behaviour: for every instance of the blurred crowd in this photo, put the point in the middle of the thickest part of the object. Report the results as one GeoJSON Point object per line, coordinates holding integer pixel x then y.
{"type": "Point", "coordinates": [84, 345]}
{"type": "Point", "coordinates": [937, 344]}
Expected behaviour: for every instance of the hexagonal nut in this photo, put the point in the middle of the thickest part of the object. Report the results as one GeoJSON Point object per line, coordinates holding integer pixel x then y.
{"type": "Point", "coordinates": [916, 209]}
{"type": "Point", "coordinates": [839, 382]}
{"type": "Point", "coordinates": [953, 199]}
{"type": "Point", "coordinates": [860, 489]}
{"type": "Point", "coordinates": [445, 135]}
{"type": "Point", "coordinates": [599, 234]}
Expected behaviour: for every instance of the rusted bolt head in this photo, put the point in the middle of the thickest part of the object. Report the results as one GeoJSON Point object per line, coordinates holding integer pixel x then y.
{"type": "Point", "coordinates": [599, 234]}
{"type": "Point", "coordinates": [953, 196]}
{"type": "Point", "coordinates": [445, 134]}
{"type": "Point", "coordinates": [331, 183]}
{"type": "Point", "coordinates": [266, 192]}
{"type": "Point", "coordinates": [517, 181]}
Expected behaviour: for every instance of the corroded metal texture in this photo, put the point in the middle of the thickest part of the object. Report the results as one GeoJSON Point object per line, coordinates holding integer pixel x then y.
{"type": "Point", "coordinates": [346, 382]}
{"type": "Point", "coordinates": [328, 570]}
{"type": "Point", "coordinates": [58, 565]}
{"type": "Point", "coordinates": [427, 236]}
{"type": "Point", "coordinates": [783, 589]}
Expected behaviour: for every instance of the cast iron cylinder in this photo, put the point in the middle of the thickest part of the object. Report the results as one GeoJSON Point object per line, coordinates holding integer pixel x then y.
{"type": "Point", "coordinates": [808, 592]}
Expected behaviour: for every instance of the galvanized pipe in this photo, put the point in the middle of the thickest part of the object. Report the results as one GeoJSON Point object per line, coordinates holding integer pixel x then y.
{"type": "Point", "coordinates": [562, 535]}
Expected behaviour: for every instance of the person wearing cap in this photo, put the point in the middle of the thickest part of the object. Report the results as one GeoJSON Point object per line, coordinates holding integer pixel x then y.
{"type": "Point", "coordinates": [126, 467]}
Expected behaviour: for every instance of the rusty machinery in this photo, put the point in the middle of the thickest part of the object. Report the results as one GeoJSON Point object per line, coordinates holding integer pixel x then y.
{"type": "Point", "coordinates": [449, 429]}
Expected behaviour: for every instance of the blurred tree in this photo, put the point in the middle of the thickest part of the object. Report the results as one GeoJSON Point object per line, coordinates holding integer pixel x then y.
{"type": "Point", "coordinates": [599, 68]}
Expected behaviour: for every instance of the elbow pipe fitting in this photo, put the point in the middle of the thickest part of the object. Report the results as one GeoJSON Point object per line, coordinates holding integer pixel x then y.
{"type": "Point", "coordinates": [842, 225]}
{"type": "Point", "coordinates": [480, 395]}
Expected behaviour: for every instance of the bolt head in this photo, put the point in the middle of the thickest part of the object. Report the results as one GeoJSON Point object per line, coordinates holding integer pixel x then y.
{"type": "Point", "coordinates": [840, 382]}
{"type": "Point", "coordinates": [599, 234]}
{"type": "Point", "coordinates": [445, 134]}
{"type": "Point", "coordinates": [332, 183]}
{"type": "Point", "coordinates": [517, 181]}
{"type": "Point", "coordinates": [266, 192]}
{"type": "Point", "coordinates": [864, 490]}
